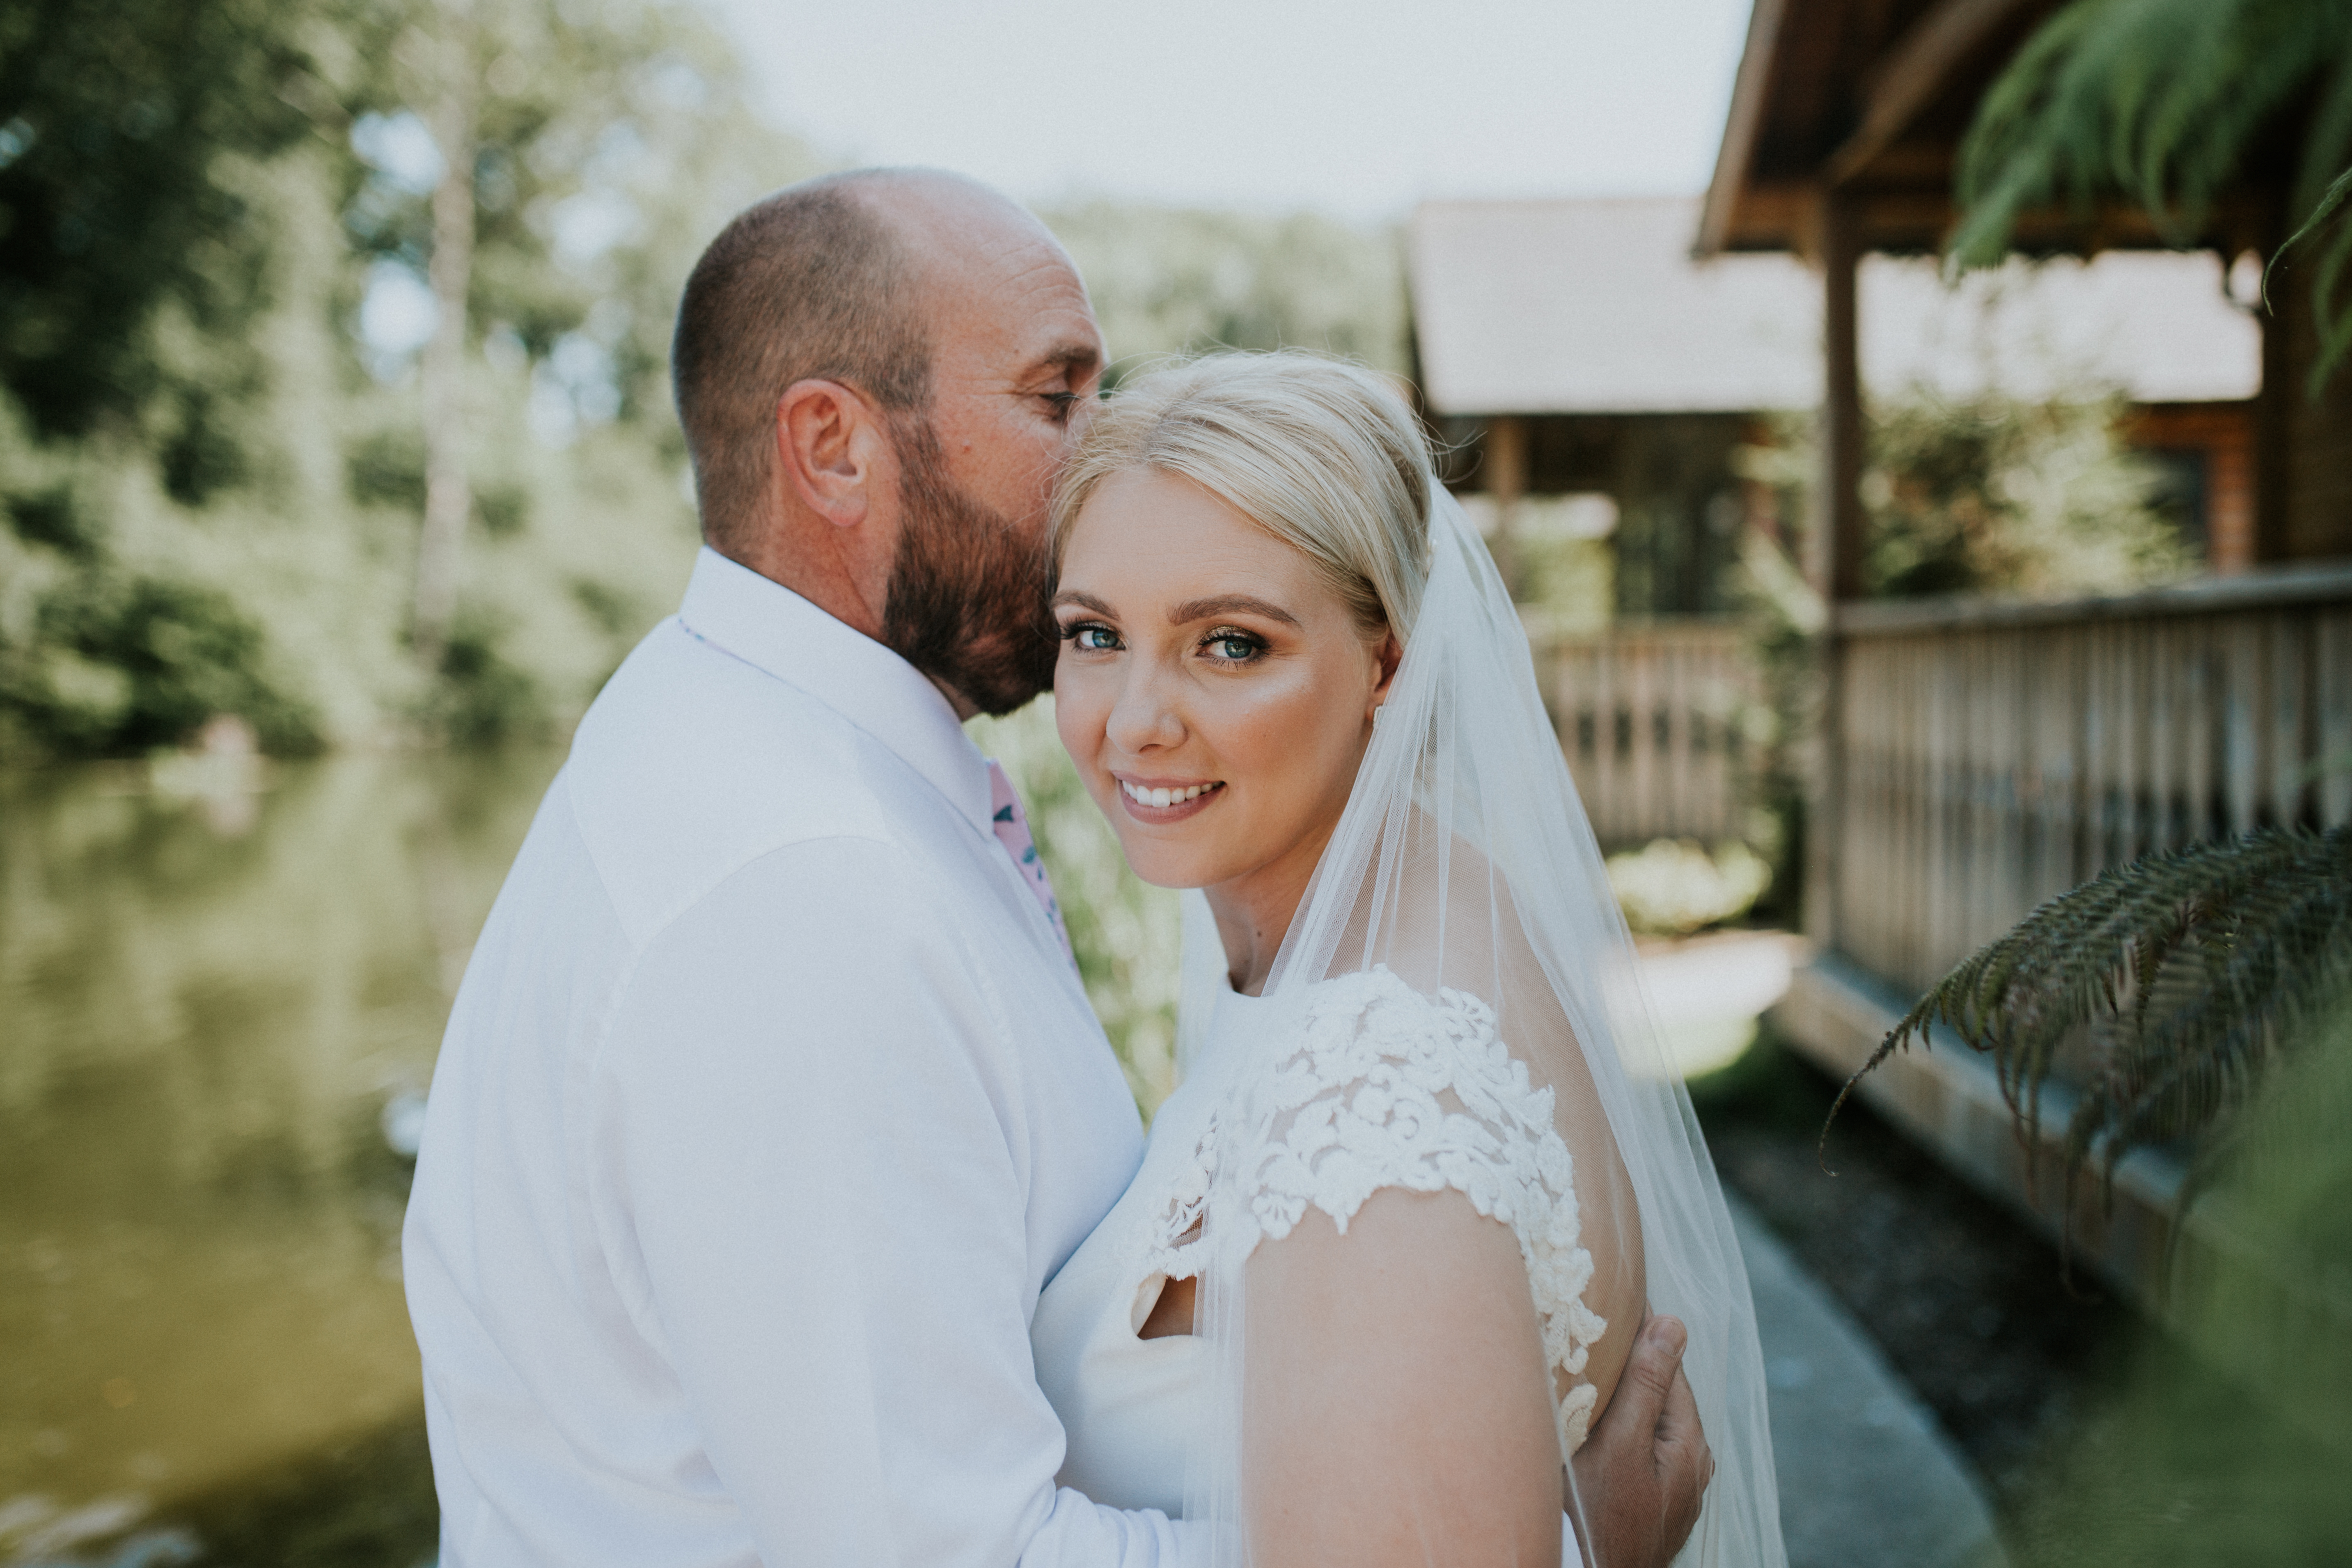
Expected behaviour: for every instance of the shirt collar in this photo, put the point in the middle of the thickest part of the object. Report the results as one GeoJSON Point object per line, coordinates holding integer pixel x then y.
{"type": "Point", "coordinates": [769, 626]}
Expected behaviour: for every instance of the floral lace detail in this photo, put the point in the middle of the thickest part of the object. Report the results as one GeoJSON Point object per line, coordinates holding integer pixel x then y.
{"type": "Point", "coordinates": [1382, 1086]}
{"type": "Point", "coordinates": [1174, 1247]}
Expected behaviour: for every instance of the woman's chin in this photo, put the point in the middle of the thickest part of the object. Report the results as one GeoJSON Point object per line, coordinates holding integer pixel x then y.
{"type": "Point", "coordinates": [1175, 879]}
{"type": "Point", "coordinates": [1163, 865]}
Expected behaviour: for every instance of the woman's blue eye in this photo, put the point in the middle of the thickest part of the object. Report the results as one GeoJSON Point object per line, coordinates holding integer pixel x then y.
{"type": "Point", "coordinates": [1089, 638]}
{"type": "Point", "coordinates": [1236, 648]}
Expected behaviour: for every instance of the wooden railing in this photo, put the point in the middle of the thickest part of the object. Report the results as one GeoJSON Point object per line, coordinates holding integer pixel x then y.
{"type": "Point", "coordinates": [1650, 715]}
{"type": "Point", "coordinates": [1989, 756]}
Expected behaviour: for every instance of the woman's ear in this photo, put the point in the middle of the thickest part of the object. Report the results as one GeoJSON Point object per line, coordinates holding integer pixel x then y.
{"type": "Point", "coordinates": [1386, 658]}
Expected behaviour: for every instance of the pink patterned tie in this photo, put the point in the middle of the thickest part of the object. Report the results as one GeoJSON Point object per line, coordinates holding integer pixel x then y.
{"type": "Point", "coordinates": [1012, 826]}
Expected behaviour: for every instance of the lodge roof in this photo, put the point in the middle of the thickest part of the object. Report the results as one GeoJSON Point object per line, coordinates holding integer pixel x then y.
{"type": "Point", "coordinates": [1597, 307]}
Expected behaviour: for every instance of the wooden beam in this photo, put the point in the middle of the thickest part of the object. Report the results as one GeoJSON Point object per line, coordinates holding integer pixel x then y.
{"type": "Point", "coordinates": [1750, 92]}
{"type": "Point", "coordinates": [1506, 482]}
{"type": "Point", "coordinates": [1912, 73]}
{"type": "Point", "coordinates": [1838, 528]}
{"type": "Point", "coordinates": [1834, 561]}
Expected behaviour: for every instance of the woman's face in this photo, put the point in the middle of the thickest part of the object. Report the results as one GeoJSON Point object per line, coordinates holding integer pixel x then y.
{"type": "Point", "coordinates": [1215, 694]}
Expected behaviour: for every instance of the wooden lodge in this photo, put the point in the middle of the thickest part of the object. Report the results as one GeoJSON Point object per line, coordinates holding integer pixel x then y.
{"type": "Point", "coordinates": [1572, 348]}
{"type": "Point", "coordinates": [1977, 756]}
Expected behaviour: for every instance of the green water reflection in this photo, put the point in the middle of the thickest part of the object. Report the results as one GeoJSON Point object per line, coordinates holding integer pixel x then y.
{"type": "Point", "coordinates": [209, 996]}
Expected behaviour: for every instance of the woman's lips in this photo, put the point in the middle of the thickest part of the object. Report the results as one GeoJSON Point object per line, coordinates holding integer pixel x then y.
{"type": "Point", "coordinates": [1167, 803]}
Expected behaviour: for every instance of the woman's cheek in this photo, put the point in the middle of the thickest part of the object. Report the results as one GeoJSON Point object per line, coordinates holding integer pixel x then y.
{"type": "Point", "coordinates": [1078, 713]}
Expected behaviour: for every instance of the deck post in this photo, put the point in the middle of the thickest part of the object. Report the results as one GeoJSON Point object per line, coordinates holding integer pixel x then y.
{"type": "Point", "coordinates": [2274, 440]}
{"type": "Point", "coordinates": [1506, 482]}
{"type": "Point", "coordinates": [1835, 562]}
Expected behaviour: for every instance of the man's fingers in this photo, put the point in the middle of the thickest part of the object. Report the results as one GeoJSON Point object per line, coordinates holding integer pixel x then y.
{"type": "Point", "coordinates": [1650, 1372]}
{"type": "Point", "coordinates": [1678, 1413]}
{"type": "Point", "coordinates": [1685, 1461]}
{"type": "Point", "coordinates": [1685, 1464]}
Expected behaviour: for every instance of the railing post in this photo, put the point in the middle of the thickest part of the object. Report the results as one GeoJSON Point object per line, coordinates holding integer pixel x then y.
{"type": "Point", "coordinates": [1835, 562]}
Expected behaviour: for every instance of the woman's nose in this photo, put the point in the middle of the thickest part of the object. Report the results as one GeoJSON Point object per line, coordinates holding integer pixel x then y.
{"type": "Point", "coordinates": [1143, 719]}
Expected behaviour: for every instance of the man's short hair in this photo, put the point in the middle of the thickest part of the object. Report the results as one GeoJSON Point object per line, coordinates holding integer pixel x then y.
{"type": "Point", "coordinates": [807, 283]}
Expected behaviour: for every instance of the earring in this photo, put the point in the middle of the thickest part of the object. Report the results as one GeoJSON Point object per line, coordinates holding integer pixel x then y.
{"type": "Point", "coordinates": [1376, 716]}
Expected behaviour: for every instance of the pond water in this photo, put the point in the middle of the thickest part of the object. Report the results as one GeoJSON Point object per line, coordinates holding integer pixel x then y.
{"type": "Point", "coordinates": [220, 999]}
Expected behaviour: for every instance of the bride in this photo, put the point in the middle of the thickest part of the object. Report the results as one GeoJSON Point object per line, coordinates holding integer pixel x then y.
{"type": "Point", "coordinates": [1427, 1171]}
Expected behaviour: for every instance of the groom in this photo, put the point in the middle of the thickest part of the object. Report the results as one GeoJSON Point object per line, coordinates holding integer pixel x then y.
{"type": "Point", "coordinates": [771, 1100]}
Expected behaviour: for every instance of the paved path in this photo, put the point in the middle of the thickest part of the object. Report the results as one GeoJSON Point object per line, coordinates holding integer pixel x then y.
{"type": "Point", "coordinates": [1868, 1477]}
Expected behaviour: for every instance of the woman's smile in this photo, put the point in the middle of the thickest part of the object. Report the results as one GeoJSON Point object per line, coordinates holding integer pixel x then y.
{"type": "Point", "coordinates": [1160, 801]}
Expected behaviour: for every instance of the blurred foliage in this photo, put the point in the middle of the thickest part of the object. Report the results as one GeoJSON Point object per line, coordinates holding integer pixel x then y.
{"type": "Point", "coordinates": [1998, 496]}
{"type": "Point", "coordinates": [2218, 985]}
{"type": "Point", "coordinates": [211, 475]}
{"type": "Point", "coordinates": [116, 117]}
{"type": "Point", "coordinates": [215, 233]}
{"type": "Point", "coordinates": [1127, 935]}
{"type": "Point", "coordinates": [1170, 281]}
{"type": "Point", "coordinates": [1673, 886]}
{"type": "Point", "coordinates": [2166, 103]}
{"type": "Point", "coordinates": [2001, 496]}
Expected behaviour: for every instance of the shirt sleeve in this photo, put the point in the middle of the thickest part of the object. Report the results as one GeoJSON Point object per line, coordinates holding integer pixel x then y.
{"type": "Point", "coordinates": [822, 1196]}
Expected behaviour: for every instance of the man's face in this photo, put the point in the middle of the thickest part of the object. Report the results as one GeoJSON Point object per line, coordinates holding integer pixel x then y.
{"type": "Point", "coordinates": [1015, 360]}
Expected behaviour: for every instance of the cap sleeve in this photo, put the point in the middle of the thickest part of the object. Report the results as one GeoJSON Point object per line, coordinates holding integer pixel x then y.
{"type": "Point", "coordinates": [1380, 1086]}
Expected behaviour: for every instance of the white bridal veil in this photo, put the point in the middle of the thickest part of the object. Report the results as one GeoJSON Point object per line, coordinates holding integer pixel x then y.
{"type": "Point", "coordinates": [1464, 866]}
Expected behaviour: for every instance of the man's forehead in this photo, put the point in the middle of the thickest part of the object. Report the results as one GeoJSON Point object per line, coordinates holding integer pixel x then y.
{"type": "Point", "coordinates": [1024, 301]}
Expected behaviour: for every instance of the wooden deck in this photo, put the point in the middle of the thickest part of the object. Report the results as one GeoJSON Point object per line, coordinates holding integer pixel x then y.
{"type": "Point", "coordinates": [1994, 755]}
{"type": "Point", "coordinates": [1983, 756]}
{"type": "Point", "coordinates": [1652, 718]}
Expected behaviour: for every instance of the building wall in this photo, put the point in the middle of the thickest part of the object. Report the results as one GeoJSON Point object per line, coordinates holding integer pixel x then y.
{"type": "Point", "coordinates": [2314, 521]}
{"type": "Point", "coordinates": [1678, 503]}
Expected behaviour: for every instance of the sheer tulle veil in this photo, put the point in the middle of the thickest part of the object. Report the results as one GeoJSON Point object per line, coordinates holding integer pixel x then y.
{"type": "Point", "coordinates": [1463, 862]}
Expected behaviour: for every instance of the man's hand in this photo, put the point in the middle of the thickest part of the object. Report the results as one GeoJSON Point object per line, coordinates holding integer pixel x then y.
{"type": "Point", "coordinates": [1642, 1471]}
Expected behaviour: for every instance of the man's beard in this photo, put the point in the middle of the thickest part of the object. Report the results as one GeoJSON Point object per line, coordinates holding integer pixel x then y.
{"type": "Point", "coordinates": [968, 591]}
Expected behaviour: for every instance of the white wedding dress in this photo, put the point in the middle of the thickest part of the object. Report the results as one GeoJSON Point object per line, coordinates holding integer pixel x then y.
{"type": "Point", "coordinates": [1365, 1084]}
{"type": "Point", "coordinates": [1455, 1010]}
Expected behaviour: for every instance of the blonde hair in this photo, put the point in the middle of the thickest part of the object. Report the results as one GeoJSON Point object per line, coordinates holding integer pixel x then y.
{"type": "Point", "coordinates": [1322, 454]}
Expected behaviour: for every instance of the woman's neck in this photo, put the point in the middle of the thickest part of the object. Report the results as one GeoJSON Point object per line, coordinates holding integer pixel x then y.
{"type": "Point", "coordinates": [1254, 910]}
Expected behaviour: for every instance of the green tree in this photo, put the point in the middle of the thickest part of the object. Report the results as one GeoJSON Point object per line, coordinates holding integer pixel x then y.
{"type": "Point", "coordinates": [118, 119]}
{"type": "Point", "coordinates": [608, 143]}
{"type": "Point", "coordinates": [554, 228]}
{"type": "Point", "coordinates": [1991, 496]}
{"type": "Point", "coordinates": [1172, 280]}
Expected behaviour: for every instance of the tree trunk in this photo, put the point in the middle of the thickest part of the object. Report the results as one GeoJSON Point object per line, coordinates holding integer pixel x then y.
{"type": "Point", "coordinates": [448, 491]}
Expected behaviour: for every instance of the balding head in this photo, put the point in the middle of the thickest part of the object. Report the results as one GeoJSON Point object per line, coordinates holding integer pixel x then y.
{"type": "Point", "coordinates": [879, 375]}
{"type": "Point", "coordinates": [833, 279]}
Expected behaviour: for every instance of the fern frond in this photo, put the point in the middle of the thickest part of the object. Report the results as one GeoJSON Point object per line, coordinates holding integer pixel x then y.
{"type": "Point", "coordinates": [2186, 970]}
{"type": "Point", "coordinates": [2157, 102]}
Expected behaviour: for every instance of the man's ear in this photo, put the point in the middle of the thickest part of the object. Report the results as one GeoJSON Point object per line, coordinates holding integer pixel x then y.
{"type": "Point", "coordinates": [832, 449]}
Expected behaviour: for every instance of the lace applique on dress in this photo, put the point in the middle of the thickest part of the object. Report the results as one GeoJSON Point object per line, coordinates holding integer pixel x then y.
{"type": "Point", "coordinates": [1174, 1244]}
{"type": "Point", "coordinates": [1382, 1086]}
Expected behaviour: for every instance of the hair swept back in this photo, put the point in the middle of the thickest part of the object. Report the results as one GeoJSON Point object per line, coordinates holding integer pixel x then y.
{"type": "Point", "coordinates": [809, 282]}
{"type": "Point", "coordinates": [1322, 453]}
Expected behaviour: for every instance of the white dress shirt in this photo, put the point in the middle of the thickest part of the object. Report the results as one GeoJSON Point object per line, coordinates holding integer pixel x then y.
{"type": "Point", "coordinates": [768, 1107]}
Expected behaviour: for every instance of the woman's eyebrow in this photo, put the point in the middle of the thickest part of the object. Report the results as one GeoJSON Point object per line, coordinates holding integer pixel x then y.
{"type": "Point", "coordinates": [1083, 602]}
{"type": "Point", "coordinates": [1228, 605]}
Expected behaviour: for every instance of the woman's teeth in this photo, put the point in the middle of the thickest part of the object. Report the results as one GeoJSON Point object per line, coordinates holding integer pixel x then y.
{"type": "Point", "coordinates": [1164, 797]}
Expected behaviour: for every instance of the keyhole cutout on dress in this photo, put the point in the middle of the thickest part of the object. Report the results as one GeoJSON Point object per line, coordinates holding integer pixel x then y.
{"type": "Point", "coordinates": [1172, 1315]}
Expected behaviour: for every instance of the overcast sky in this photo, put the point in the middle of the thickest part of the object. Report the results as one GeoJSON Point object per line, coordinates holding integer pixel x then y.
{"type": "Point", "coordinates": [1358, 108]}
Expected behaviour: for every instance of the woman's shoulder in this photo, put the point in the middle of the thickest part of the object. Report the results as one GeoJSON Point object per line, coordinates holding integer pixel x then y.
{"type": "Point", "coordinates": [1381, 1084]}
{"type": "Point", "coordinates": [1374, 1023]}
